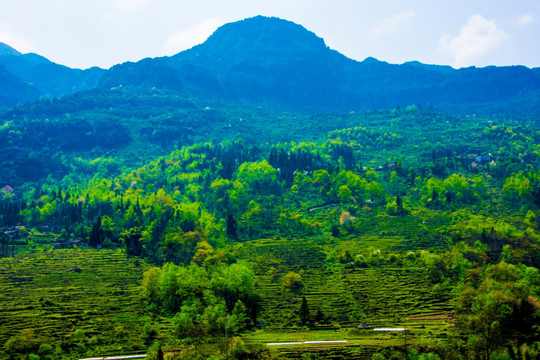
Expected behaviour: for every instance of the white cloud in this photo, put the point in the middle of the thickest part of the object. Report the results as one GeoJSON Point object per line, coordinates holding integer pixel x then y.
{"type": "Point", "coordinates": [130, 5]}
{"type": "Point", "coordinates": [188, 38]}
{"type": "Point", "coordinates": [524, 20]}
{"type": "Point", "coordinates": [392, 24]}
{"type": "Point", "coordinates": [478, 37]}
{"type": "Point", "coordinates": [16, 41]}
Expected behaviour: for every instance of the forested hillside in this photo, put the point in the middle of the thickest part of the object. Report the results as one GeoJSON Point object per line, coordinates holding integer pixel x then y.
{"type": "Point", "coordinates": [437, 208]}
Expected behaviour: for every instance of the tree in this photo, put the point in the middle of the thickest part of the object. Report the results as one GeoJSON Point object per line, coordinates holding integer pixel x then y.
{"type": "Point", "coordinates": [253, 219]}
{"type": "Point", "coordinates": [501, 311]}
{"type": "Point", "coordinates": [151, 285]}
{"type": "Point", "coordinates": [107, 228]}
{"type": "Point", "coordinates": [305, 316]}
{"type": "Point", "coordinates": [344, 194]}
{"type": "Point", "coordinates": [96, 234]}
{"type": "Point", "coordinates": [204, 251]}
{"type": "Point", "coordinates": [259, 177]}
{"type": "Point", "coordinates": [4, 244]}
{"type": "Point", "coordinates": [293, 281]}
{"type": "Point", "coordinates": [149, 333]}
{"type": "Point", "coordinates": [238, 320]}
{"type": "Point", "coordinates": [24, 343]}
{"type": "Point", "coordinates": [320, 317]}
{"type": "Point", "coordinates": [335, 231]}
{"type": "Point", "coordinates": [231, 226]}
{"type": "Point", "coordinates": [396, 207]}
{"type": "Point", "coordinates": [435, 198]}
{"type": "Point", "coordinates": [399, 204]}
{"type": "Point", "coordinates": [132, 239]}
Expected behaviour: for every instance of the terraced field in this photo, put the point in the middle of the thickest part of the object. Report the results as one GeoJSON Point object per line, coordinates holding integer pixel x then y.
{"type": "Point", "coordinates": [384, 296]}
{"type": "Point", "coordinates": [58, 293]}
{"type": "Point", "coordinates": [61, 293]}
{"type": "Point", "coordinates": [421, 230]}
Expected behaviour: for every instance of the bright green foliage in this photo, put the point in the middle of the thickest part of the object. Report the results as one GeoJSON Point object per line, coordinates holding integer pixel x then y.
{"type": "Point", "coordinates": [258, 177]}
{"type": "Point", "coordinates": [203, 300]}
{"type": "Point", "coordinates": [293, 281]}
{"type": "Point", "coordinates": [517, 186]}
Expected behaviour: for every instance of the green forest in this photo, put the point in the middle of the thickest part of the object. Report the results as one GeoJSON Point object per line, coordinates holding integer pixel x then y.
{"type": "Point", "coordinates": [140, 242]}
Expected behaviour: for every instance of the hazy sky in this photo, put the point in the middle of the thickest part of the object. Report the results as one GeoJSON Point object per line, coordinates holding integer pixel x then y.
{"type": "Point", "coordinates": [85, 33]}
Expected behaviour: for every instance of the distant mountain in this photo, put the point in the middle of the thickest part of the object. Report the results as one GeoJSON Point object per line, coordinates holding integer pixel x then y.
{"type": "Point", "coordinates": [43, 76]}
{"type": "Point", "coordinates": [6, 50]}
{"type": "Point", "coordinates": [14, 90]}
{"type": "Point", "coordinates": [264, 58]}
{"type": "Point", "coordinates": [258, 58]}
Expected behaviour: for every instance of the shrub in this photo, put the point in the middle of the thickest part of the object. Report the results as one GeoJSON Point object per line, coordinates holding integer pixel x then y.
{"type": "Point", "coordinates": [45, 349]}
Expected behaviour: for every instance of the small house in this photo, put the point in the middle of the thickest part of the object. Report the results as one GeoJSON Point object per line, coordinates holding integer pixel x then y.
{"type": "Point", "coordinates": [15, 232]}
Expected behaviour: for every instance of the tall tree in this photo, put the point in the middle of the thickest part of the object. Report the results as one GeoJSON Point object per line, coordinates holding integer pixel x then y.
{"type": "Point", "coordinates": [96, 234]}
{"type": "Point", "coordinates": [305, 316]}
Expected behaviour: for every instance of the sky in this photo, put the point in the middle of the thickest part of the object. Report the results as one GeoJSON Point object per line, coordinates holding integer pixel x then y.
{"type": "Point", "coordinates": [460, 33]}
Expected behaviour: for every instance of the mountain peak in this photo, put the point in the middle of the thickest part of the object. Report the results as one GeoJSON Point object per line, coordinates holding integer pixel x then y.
{"type": "Point", "coordinates": [263, 33]}
{"type": "Point", "coordinates": [6, 50]}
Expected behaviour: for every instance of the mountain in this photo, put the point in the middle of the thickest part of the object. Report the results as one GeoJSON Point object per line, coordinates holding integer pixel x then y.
{"type": "Point", "coordinates": [265, 59]}
{"type": "Point", "coordinates": [46, 78]}
{"type": "Point", "coordinates": [14, 90]}
{"type": "Point", "coordinates": [272, 59]}
{"type": "Point", "coordinates": [254, 59]}
{"type": "Point", "coordinates": [261, 80]}
{"type": "Point", "coordinates": [6, 50]}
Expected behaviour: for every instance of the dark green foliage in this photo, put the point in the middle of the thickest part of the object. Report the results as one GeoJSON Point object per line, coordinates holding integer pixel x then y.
{"type": "Point", "coordinates": [96, 234]}
{"type": "Point", "coordinates": [159, 355]}
{"type": "Point", "coordinates": [305, 316]}
{"type": "Point", "coordinates": [132, 240]}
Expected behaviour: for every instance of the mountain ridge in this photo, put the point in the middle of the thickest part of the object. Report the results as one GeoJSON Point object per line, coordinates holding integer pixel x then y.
{"type": "Point", "coordinates": [5, 49]}
{"type": "Point", "coordinates": [264, 58]}
{"type": "Point", "coordinates": [45, 77]}
{"type": "Point", "coordinates": [271, 59]}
